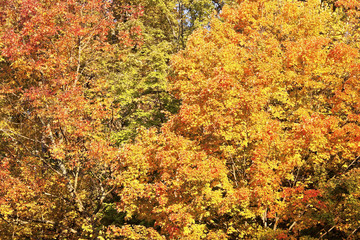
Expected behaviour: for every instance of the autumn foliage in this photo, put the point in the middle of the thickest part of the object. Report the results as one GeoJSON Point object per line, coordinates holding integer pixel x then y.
{"type": "Point", "coordinates": [55, 117]}
{"type": "Point", "coordinates": [265, 145]}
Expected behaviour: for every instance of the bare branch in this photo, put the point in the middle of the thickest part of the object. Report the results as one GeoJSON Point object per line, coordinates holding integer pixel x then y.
{"type": "Point", "coordinates": [327, 232]}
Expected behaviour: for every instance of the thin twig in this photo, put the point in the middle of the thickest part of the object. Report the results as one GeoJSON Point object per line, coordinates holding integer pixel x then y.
{"type": "Point", "coordinates": [327, 231]}
{"type": "Point", "coordinates": [6, 131]}
{"type": "Point", "coordinates": [353, 232]}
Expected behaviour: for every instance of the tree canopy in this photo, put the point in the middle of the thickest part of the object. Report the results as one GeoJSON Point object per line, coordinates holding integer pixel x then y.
{"type": "Point", "coordinates": [146, 119]}
{"type": "Point", "coordinates": [270, 95]}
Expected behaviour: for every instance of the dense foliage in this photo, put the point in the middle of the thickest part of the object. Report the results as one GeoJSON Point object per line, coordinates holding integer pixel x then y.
{"type": "Point", "coordinates": [264, 145]}
{"type": "Point", "coordinates": [56, 117]}
{"type": "Point", "coordinates": [139, 80]}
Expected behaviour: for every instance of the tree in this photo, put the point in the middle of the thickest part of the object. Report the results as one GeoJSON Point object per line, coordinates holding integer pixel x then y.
{"type": "Point", "coordinates": [139, 81]}
{"type": "Point", "coordinates": [270, 95]}
{"type": "Point", "coordinates": [56, 117]}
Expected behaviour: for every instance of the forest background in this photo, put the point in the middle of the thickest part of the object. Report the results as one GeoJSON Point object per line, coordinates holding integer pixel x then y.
{"type": "Point", "coordinates": [179, 119]}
